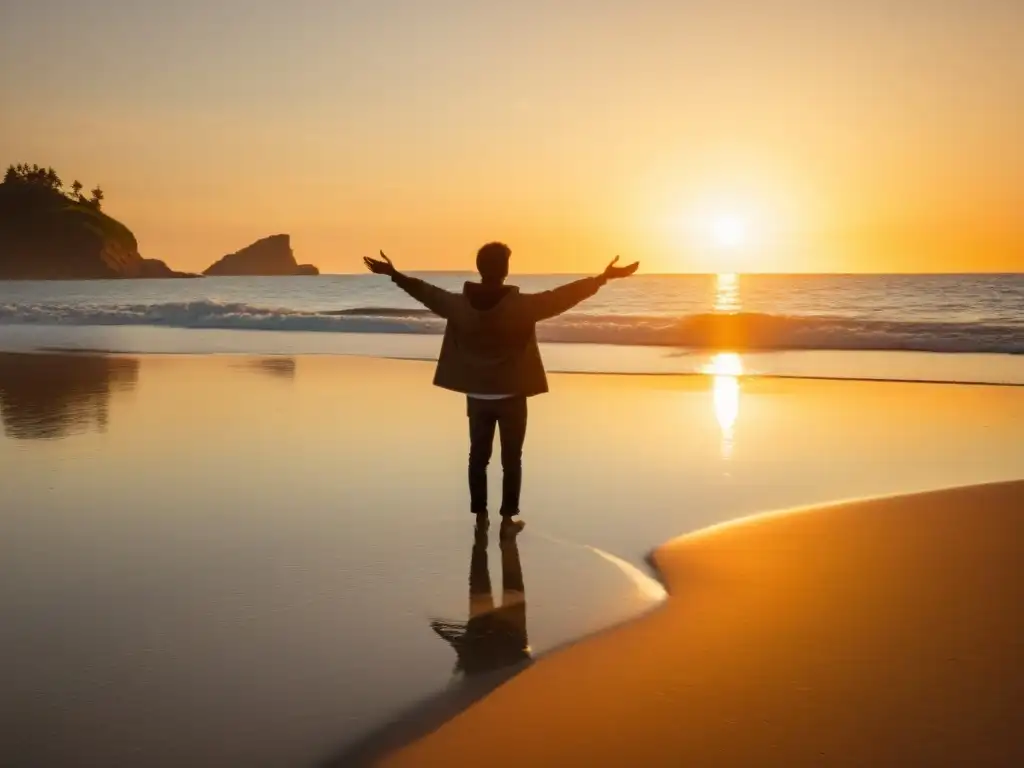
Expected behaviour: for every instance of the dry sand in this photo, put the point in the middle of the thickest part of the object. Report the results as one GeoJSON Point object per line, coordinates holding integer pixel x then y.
{"type": "Point", "coordinates": [881, 632]}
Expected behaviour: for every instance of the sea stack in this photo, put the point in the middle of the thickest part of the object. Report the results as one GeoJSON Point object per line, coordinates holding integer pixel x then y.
{"type": "Point", "coordinates": [271, 256]}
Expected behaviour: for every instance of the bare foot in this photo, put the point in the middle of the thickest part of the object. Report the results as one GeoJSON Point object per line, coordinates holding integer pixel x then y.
{"type": "Point", "coordinates": [511, 527]}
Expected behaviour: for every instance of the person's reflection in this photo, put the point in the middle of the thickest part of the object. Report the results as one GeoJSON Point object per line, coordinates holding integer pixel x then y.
{"type": "Point", "coordinates": [278, 367]}
{"type": "Point", "coordinates": [46, 396]}
{"type": "Point", "coordinates": [494, 637]}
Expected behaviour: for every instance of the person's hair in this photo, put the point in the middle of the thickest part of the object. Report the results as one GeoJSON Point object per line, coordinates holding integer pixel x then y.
{"type": "Point", "coordinates": [492, 262]}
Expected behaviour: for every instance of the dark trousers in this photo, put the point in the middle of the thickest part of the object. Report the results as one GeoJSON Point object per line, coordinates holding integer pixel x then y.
{"type": "Point", "coordinates": [508, 415]}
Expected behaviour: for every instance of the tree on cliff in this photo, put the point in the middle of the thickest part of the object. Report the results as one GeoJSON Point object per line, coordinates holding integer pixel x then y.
{"type": "Point", "coordinates": [36, 177]}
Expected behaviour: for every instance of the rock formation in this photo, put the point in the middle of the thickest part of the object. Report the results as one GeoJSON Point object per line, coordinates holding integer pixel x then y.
{"type": "Point", "coordinates": [270, 256]}
{"type": "Point", "coordinates": [45, 235]}
{"type": "Point", "coordinates": [153, 268]}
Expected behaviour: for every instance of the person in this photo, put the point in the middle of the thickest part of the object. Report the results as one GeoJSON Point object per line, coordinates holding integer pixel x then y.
{"type": "Point", "coordinates": [489, 353]}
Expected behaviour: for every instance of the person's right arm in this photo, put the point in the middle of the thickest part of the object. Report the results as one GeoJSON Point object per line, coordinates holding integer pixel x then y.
{"type": "Point", "coordinates": [548, 304]}
{"type": "Point", "coordinates": [437, 300]}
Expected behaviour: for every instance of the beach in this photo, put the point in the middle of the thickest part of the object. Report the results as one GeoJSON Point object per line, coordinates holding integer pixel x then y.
{"type": "Point", "coordinates": [883, 632]}
{"type": "Point", "coordinates": [238, 560]}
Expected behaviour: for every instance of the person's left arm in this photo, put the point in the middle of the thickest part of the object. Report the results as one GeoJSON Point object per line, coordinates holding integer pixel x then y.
{"type": "Point", "coordinates": [437, 300]}
{"type": "Point", "coordinates": [548, 304]}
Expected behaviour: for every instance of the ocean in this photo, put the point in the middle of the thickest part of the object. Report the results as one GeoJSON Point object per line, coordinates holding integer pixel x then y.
{"type": "Point", "coordinates": [964, 327]}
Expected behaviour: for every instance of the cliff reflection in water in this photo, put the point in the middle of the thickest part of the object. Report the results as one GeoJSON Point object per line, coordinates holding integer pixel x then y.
{"type": "Point", "coordinates": [50, 396]}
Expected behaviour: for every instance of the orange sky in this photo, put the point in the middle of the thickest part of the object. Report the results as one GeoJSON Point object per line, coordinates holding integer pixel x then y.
{"type": "Point", "coordinates": [868, 136]}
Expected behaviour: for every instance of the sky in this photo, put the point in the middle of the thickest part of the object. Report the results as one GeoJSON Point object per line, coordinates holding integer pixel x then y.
{"type": "Point", "coordinates": [769, 136]}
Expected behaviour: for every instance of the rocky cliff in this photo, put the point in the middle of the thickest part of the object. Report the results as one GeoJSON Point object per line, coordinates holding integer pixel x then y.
{"type": "Point", "coordinates": [45, 235]}
{"type": "Point", "coordinates": [270, 256]}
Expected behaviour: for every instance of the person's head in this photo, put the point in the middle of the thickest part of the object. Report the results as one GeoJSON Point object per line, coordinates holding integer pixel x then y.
{"type": "Point", "coordinates": [492, 263]}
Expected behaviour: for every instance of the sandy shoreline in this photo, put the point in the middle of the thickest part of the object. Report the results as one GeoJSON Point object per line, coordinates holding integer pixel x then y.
{"type": "Point", "coordinates": [880, 632]}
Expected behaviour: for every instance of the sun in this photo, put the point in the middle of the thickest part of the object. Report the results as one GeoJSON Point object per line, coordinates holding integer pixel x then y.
{"type": "Point", "coordinates": [722, 234]}
{"type": "Point", "coordinates": [729, 231]}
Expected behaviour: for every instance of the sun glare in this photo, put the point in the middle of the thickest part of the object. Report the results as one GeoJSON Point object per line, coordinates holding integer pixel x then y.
{"type": "Point", "coordinates": [723, 233]}
{"type": "Point", "coordinates": [729, 231]}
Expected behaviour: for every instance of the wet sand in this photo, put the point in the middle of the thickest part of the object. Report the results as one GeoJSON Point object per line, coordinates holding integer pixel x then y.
{"type": "Point", "coordinates": [224, 560]}
{"type": "Point", "coordinates": [885, 632]}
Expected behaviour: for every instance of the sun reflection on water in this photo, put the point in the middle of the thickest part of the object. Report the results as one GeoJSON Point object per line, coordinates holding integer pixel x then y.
{"type": "Point", "coordinates": [727, 292]}
{"type": "Point", "coordinates": [726, 368]}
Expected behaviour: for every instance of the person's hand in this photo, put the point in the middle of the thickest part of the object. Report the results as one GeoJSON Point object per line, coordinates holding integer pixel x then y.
{"type": "Point", "coordinates": [612, 272]}
{"type": "Point", "coordinates": [381, 266]}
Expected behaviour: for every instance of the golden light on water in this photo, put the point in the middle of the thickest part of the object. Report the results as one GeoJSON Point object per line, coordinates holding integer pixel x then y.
{"type": "Point", "coordinates": [727, 292]}
{"type": "Point", "coordinates": [726, 369]}
{"type": "Point", "coordinates": [725, 364]}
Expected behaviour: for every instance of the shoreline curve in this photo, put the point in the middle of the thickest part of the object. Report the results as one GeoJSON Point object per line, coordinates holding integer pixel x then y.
{"type": "Point", "coordinates": [869, 631]}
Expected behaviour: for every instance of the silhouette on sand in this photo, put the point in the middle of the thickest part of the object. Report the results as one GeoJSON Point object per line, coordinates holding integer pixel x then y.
{"type": "Point", "coordinates": [490, 354]}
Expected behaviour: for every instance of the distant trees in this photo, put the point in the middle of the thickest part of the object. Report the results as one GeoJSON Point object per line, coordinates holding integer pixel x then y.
{"type": "Point", "coordinates": [38, 177]}
{"type": "Point", "coordinates": [34, 175]}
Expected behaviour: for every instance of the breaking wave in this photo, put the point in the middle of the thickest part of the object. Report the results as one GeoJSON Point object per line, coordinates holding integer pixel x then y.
{"type": "Point", "coordinates": [739, 331]}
